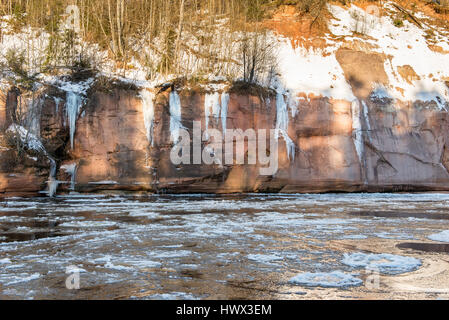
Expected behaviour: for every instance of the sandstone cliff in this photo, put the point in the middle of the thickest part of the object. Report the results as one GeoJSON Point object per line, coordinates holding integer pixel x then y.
{"type": "Point", "coordinates": [369, 144]}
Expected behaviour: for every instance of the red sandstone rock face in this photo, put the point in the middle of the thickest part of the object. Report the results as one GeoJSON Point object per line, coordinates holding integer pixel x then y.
{"type": "Point", "coordinates": [111, 144]}
{"type": "Point", "coordinates": [24, 184]}
{"type": "Point", "coordinates": [405, 147]}
{"type": "Point", "coordinates": [8, 103]}
{"type": "Point", "coordinates": [25, 175]}
{"type": "Point", "coordinates": [326, 156]}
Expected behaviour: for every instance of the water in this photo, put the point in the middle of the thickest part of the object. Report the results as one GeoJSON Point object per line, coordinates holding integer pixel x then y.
{"type": "Point", "coordinates": [203, 246]}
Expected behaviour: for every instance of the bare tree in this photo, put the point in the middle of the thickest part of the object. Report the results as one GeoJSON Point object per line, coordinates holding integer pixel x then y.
{"type": "Point", "coordinates": [258, 56]}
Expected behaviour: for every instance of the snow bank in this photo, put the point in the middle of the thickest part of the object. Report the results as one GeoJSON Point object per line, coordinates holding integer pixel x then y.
{"type": "Point", "coordinates": [27, 138]}
{"type": "Point", "coordinates": [32, 43]}
{"type": "Point", "coordinates": [384, 263]}
{"type": "Point", "coordinates": [308, 70]}
{"type": "Point", "coordinates": [335, 279]}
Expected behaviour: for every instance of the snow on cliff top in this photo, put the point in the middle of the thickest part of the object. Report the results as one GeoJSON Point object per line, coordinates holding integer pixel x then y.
{"type": "Point", "coordinates": [308, 71]}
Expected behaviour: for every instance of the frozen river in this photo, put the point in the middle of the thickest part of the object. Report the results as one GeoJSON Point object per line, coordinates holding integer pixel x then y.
{"type": "Point", "coordinates": [225, 247]}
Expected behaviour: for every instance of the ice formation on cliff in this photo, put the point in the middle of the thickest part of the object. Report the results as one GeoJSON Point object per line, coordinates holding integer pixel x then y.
{"type": "Point", "coordinates": [70, 169]}
{"type": "Point", "coordinates": [282, 125]}
{"type": "Point", "coordinates": [224, 111]}
{"type": "Point", "coordinates": [357, 129]}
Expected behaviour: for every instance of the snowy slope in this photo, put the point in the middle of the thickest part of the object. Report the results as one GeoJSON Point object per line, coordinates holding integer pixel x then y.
{"type": "Point", "coordinates": [317, 71]}
{"type": "Point", "coordinates": [300, 70]}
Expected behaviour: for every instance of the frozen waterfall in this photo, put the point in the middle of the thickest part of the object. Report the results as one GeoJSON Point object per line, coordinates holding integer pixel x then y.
{"type": "Point", "coordinates": [73, 106]}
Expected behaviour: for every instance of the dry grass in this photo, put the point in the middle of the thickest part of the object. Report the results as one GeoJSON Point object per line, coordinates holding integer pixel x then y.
{"type": "Point", "coordinates": [108, 85]}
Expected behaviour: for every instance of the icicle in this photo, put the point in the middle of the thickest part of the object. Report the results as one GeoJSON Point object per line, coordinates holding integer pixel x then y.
{"type": "Point", "coordinates": [224, 111]}
{"type": "Point", "coordinates": [357, 129]}
{"type": "Point", "coordinates": [52, 187]}
{"type": "Point", "coordinates": [73, 106]}
{"type": "Point", "coordinates": [282, 125]}
{"type": "Point", "coordinates": [148, 113]}
{"type": "Point", "coordinates": [71, 169]}
{"type": "Point", "coordinates": [175, 116]}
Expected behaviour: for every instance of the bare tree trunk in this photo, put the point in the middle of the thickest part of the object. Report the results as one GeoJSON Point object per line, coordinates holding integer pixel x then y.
{"type": "Point", "coordinates": [111, 24]}
{"type": "Point", "coordinates": [120, 23]}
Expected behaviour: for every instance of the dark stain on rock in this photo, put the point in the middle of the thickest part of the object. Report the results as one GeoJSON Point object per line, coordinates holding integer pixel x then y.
{"type": "Point", "coordinates": [400, 214]}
